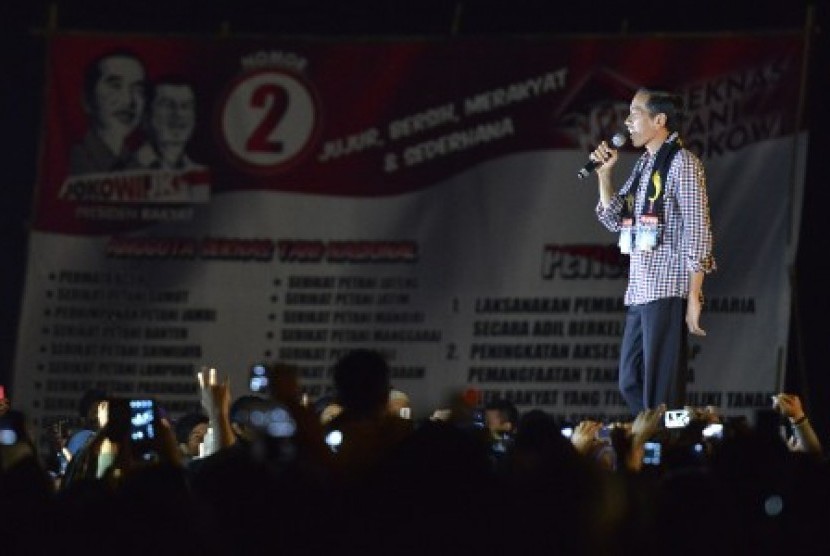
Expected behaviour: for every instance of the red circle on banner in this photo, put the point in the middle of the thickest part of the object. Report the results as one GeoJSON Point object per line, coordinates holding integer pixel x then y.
{"type": "Point", "coordinates": [268, 120]}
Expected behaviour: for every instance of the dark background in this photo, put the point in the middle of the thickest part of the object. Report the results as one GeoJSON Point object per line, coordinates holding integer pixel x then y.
{"type": "Point", "coordinates": [25, 26]}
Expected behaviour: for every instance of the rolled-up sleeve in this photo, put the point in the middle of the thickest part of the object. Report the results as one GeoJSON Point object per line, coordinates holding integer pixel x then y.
{"type": "Point", "coordinates": [694, 208]}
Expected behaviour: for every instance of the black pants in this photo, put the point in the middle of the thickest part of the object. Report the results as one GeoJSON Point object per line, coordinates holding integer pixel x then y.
{"type": "Point", "coordinates": [653, 355]}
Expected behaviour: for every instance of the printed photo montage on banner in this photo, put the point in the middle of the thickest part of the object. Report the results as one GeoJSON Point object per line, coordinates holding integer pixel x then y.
{"type": "Point", "coordinates": [134, 163]}
{"type": "Point", "coordinates": [445, 129]}
{"type": "Point", "coordinates": [113, 331]}
{"type": "Point", "coordinates": [317, 318]}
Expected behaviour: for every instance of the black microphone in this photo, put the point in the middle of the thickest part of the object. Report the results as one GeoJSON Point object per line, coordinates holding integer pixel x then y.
{"type": "Point", "coordinates": [618, 140]}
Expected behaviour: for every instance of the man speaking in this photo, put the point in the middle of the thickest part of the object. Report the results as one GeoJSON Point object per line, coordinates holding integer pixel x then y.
{"type": "Point", "coordinates": [662, 216]}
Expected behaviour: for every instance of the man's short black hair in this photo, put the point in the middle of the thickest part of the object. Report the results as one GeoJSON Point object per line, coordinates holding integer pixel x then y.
{"type": "Point", "coordinates": [93, 70]}
{"type": "Point", "coordinates": [186, 423]}
{"type": "Point", "coordinates": [171, 80]}
{"type": "Point", "coordinates": [361, 378]}
{"type": "Point", "coordinates": [664, 102]}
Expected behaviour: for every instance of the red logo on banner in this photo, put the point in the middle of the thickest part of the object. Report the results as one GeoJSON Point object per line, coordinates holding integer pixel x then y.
{"type": "Point", "coordinates": [268, 120]}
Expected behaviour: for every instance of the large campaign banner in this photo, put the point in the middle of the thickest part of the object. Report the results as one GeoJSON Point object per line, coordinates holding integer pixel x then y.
{"type": "Point", "coordinates": [225, 202]}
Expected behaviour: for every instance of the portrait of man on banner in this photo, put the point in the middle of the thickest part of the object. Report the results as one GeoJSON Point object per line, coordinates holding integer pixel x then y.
{"type": "Point", "coordinates": [114, 101]}
{"type": "Point", "coordinates": [168, 126]}
{"type": "Point", "coordinates": [138, 132]}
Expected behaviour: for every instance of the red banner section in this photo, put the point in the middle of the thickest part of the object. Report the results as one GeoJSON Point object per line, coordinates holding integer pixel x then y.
{"type": "Point", "coordinates": [142, 130]}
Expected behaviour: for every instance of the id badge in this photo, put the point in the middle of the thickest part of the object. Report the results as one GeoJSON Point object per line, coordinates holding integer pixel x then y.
{"type": "Point", "coordinates": [625, 236]}
{"type": "Point", "coordinates": [647, 232]}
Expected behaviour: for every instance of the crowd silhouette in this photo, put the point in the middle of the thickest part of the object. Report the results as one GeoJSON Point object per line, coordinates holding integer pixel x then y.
{"type": "Point", "coordinates": [275, 473]}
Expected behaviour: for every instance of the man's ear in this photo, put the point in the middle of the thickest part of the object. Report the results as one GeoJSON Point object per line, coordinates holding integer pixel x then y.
{"type": "Point", "coordinates": [660, 119]}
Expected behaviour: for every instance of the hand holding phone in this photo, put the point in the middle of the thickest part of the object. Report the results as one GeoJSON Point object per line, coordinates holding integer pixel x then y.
{"type": "Point", "coordinates": [142, 420]}
{"type": "Point", "coordinates": [604, 432]}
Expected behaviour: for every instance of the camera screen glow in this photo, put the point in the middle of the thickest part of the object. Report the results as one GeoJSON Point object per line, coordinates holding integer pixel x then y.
{"type": "Point", "coordinates": [258, 383]}
{"type": "Point", "coordinates": [8, 437]}
{"type": "Point", "coordinates": [282, 429]}
{"type": "Point", "coordinates": [677, 418]}
{"type": "Point", "coordinates": [280, 423]}
{"type": "Point", "coordinates": [651, 453]}
{"type": "Point", "coordinates": [715, 430]}
{"type": "Point", "coordinates": [141, 419]}
{"type": "Point", "coordinates": [334, 439]}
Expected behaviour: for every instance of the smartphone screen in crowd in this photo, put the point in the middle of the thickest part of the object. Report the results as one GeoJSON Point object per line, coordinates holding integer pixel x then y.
{"type": "Point", "coordinates": [258, 378]}
{"type": "Point", "coordinates": [143, 426]}
{"type": "Point", "coordinates": [713, 430]}
{"type": "Point", "coordinates": [142, 420]}
{"type": "Point", "coordinates": [677, 418]}
{"type": "Point", "coordinates": [651, 453]}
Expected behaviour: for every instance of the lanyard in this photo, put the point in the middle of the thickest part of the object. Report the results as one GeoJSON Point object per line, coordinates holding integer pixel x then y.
{"type": "Point", "coordinates": [656, 186]}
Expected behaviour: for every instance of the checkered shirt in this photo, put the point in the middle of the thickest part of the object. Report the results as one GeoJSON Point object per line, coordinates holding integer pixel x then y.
{"type": "Point", "coordinates": [686, 244]}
